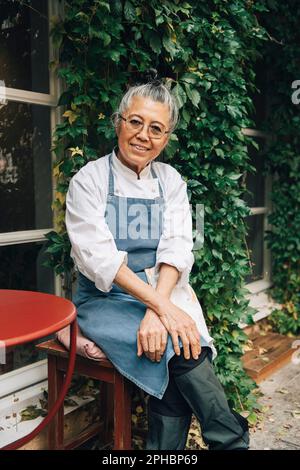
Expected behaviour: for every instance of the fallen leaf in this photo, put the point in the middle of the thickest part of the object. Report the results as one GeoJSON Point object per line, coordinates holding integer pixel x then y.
{"type": "Point", "coordinates": [265, 359]}
{"type": "Point", "coordinates": [43, 403]}
{"type": "Point", "coordinates": [287, 426]}
{"type": "Point", "coordinates": [284, 391]}
{"type": "Point", "coordinates": [70, 402]}
{"type": "Point", "coordinates": [252, 418]}
{"type": "Point", "coordinates": [262, 350]}
{"type": "Point", "coordinates": [245, 414]}
{"type": "Point", "coordinates": [134, 418]}
{"type": "Point", "coordinates": [32, 412]}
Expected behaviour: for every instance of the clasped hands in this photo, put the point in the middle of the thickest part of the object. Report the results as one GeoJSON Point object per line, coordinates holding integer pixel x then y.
{"type": "Point", "coordinates": [153, 333]}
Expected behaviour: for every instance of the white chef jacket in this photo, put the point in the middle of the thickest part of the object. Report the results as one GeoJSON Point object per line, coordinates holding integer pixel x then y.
{"type": "Point", "coordinates": [94, 251]}
{"type": "Point", "coordinates": [93, 247]}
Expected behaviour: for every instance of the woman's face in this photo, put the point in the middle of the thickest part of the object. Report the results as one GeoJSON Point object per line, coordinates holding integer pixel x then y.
{"type": "Point", "coordinates": [137, 148]}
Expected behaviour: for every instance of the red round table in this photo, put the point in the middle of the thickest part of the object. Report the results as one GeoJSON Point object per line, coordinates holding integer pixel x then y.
{"type": "Point", "coordinates": [26, 316]}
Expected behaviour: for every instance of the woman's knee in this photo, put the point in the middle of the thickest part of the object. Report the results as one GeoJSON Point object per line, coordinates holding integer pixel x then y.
{"type": "Point", "coordinates": [178, 365]}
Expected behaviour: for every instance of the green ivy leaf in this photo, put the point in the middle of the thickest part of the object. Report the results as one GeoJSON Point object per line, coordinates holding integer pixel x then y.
{"type": "Point", "coordinates": [193, 94]}
{"type": "Point", "coordinates": [180, 95]}
{"type": "Point", "coordinates": [129, 11]}
{"type": "Point", "coordinates": [155, 42]}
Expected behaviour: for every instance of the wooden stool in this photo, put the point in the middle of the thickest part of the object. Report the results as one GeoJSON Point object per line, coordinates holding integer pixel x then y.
{"type": "Point", "coordinates": [116, 400]}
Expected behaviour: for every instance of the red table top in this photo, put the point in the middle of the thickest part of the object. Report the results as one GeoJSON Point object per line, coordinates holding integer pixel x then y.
{"type": "Point", "coordinates": [26, 316]}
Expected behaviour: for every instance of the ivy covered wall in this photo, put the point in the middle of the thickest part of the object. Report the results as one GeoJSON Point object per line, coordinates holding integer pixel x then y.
{"type": "Point", "coordinates": [283, 159]}
{"type": "Point", "coordinates": [206, 52]}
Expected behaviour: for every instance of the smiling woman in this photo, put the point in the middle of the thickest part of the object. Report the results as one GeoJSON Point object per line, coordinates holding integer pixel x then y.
{"type": "Point", "coordinates": [143, 125]}
{"type": "Point", "coordinates": [133, 298]}
{"type": "Point", "coordinates": [136, 147]}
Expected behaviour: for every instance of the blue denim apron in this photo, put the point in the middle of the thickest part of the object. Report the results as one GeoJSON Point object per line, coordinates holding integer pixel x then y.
{"type": "Point", "coordinates": [112, 319]}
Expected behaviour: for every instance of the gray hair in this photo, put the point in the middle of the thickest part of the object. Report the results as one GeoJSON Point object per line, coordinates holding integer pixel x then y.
{"type": "Point", "coordinates": [153, 91]}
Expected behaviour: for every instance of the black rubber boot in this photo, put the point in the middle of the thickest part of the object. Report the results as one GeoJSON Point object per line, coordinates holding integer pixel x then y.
{"type": "Point", "coordinates": [222, 429]}
{"type": "Point", "coordinates": [167, 432]}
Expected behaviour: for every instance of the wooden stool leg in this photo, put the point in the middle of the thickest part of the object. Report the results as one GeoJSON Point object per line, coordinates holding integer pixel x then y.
{"type": "Point", "coordinates": [122, 413]}
{"type": "Point", "coordinates": [55, 382]}
{"type": "Point", "coordinates": [60, 413]}
{"type": "Point", "coordinates": [107, 411]}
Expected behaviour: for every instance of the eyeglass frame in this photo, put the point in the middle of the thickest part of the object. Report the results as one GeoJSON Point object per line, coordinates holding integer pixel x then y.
{"type": "Point", "coordinates": [156, 138]}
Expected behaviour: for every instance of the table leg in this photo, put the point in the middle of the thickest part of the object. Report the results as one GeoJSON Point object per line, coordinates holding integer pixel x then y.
{"type": "Point", "coordinates": [60, 398]}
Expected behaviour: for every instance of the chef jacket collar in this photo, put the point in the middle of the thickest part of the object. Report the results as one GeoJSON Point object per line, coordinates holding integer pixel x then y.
{"type": "Point", "coordinates": [118, 166]}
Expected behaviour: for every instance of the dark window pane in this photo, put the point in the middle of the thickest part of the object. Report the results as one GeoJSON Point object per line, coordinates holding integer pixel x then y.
{"type": "Point", "coordinates": [260, 94]}
{"type": "Point", "coordinates": [24, 45]}
{"type": "Point", "coordinates": [21, 267]}
{"type": "Point", "coordinates": [25, 167]}
{"type": "Point", "coordinates": [255, 182]}
{"type": "Point", "coordinates": [255, 224]}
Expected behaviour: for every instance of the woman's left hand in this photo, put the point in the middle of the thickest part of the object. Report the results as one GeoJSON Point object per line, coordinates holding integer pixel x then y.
{"type": "Point", "coordinates": [152, 337]}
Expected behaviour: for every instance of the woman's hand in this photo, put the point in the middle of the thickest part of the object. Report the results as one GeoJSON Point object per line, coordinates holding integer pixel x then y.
{"type": "Point", "coordinates": [152, 336]}
{"type": "Point", "coordinates": [180, 324]}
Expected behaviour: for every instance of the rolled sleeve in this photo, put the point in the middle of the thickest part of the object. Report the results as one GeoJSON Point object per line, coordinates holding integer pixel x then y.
{"type": "Point", "coordinates": [94, 251]}
{"type": "Point", "coordinates": [176, 242]}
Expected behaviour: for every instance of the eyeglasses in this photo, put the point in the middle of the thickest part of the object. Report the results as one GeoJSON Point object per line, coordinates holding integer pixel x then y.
{"type": "Point", "coordinates": [135, 124]}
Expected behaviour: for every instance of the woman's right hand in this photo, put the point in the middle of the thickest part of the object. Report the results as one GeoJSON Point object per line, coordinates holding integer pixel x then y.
{"type": "Point", "coordinates": [152, 337]}
{"type": "Point", "coordinates": [180, 325]}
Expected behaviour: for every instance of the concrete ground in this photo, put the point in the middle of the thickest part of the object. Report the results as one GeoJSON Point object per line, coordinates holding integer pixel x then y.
{"type": "Point", "coordinates": [280, 428]}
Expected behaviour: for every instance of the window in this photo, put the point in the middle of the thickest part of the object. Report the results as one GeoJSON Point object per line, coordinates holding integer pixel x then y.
{"type": "Point", "coordinates": [25, 177]}
{"type": "Point", "coordinates": [28, 96]}
{"type": "Point", "coordinates": [258, 199]}
{"type": "Point", "coordinates": [24, 45]}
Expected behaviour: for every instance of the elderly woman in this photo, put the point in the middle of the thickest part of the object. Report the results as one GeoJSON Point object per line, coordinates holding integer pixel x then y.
{"type": "Point", "coordinates": [130, 227]}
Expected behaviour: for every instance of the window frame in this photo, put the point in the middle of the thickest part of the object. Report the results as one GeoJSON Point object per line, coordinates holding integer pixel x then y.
{"type": "Point", "coordinates": [50, 100]}
{"type": "Point", "coordinates": [257, 289]}
{"type": "Point", "coordinates": [27, 376]}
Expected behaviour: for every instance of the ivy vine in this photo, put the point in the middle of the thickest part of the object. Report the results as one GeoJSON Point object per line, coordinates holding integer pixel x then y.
{"type": "Point", "coordinates": [206, 52]}
{"type": "Point", "coordinates": [283, 162]}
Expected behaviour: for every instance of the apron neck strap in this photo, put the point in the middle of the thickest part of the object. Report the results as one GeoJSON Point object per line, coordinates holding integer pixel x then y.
{"type": "Point", "coordinates": [154, 175]}
{"type": "Point", "coordinates": [111, 183]}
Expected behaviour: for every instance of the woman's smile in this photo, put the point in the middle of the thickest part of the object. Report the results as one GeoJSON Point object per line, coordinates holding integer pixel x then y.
{"type": "Point", "coordinates": [140, 148]}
